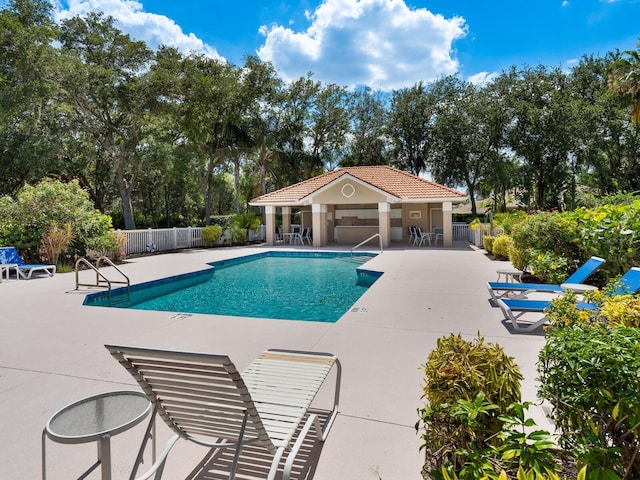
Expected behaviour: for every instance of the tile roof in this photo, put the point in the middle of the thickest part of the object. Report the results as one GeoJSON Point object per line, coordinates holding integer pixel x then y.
{"type": "Point", "coordinates": [392, 181]}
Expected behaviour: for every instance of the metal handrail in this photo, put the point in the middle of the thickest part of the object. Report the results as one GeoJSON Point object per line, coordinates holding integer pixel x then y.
{"type": "Point", "coordinates": [101, 280]}
{"type": "Point", "coordinates": [368, 240]}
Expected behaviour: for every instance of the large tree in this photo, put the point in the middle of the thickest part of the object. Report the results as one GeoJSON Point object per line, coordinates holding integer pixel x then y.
{"type": "Point", "coordinates": [461, 153]}
{"type": "Point", "coordinates": [625, 80]}
{"type": "Point", "coordinates": [368, 143]}
{"type": "Point", "coordinates": [410, 126]}
{"type": "Point", "coordinates": [539, 132]}
{"type": "Point", "coordinates": [28, 146]}
{"type": "Point", "coordinates": [107, 90]}
{"type": "Point", "coordinates": [208, 96]}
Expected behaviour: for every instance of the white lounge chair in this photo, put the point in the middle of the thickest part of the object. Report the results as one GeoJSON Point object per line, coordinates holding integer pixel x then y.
{"type": "Point", "coordinates": [498, 290]}
{"type": "Point", "coordinates": [10, 256]}
{"type": "Point", "coordinates": [204, 399]}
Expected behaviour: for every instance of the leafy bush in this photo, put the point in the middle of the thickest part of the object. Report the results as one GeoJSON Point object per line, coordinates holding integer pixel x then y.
{"type": "Point", "coordinates": [55, 241]}
{"type": "Point", "coordinates": [502, 245]}
{"type": "Point", "coordinates": [552, 267]}
{"type": "Point", "coordinates": [612, 232]}
{"type": "Point", "coordinates": [614, 309]}
{"type": "Point", "coordinates": [456, 372]}
{"type": "Point", "coordinates": [239, 235]}
{"type": "Point", "coordinates": [487, 243]}
{"type": "Point", "coordinates": [25, 221]}
{"type": "Point", "coordinates": [211, 235]}
{"type": "Point", "coordinates": [245, 222]}
{"type": "Point", "coordinates": [508, 221]}
{"type": "Point", "coordinates": [519, 258]}
{"type": "Point", "coordinates": [459, 369]}
{"type": "Point", "coordinates": [549, 232]}
{"type": "Point", "coordinates": [590, 377]}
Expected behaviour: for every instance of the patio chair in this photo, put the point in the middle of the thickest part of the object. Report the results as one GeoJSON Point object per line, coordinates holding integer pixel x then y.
{"type": "Point", "coordinates": [421, 237]}
{"type": "Point", "coordinates": [279, 237]}
{"type": "Point", "coordinates": [412, 234]}
{"type": "Point", "coordinates": [306, 235]}
{"type": "Point", "coordinates": [498, 290]}
{"type": "Point", "coordinates": [204, 399]}
{"type": "Point", "coordinates": [514, 308]}
{"type": "Point", "coordinates": [10, 256]}
{"type": "Point", "coordinates": [438, 234]}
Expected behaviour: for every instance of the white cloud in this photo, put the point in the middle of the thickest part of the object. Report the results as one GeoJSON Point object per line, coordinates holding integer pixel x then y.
{"type": "Point", "coordinates": [380, 43]}
{"type": "Point", "coordinates": [482, 78]}
{"type": "Point", "coordinates": [565, 3]}
{"type": "Point", "coordinates": [130, 17]}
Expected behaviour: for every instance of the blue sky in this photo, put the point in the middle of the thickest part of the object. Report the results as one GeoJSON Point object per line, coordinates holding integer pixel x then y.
{"type": "Point", "coordinates": [385, 44]}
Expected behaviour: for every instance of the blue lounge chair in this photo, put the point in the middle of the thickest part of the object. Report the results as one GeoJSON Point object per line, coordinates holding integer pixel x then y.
{"type": "Point", "coordinates": [10, 256]}
{"type": "Point", "coordinates": [499, 290]}
{"type": "Point", "coordinates": [514, 309]}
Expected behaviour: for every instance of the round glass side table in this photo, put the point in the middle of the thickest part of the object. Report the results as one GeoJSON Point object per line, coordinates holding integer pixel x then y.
{"type": "Point", "coordinates": [96, 418]}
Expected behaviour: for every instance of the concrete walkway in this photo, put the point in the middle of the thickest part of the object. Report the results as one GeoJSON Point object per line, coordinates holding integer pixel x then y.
{"type": "Point", "coordinates": [52, 353]}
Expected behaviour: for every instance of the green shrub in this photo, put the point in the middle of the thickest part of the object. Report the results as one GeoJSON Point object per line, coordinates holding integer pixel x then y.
{"type": "Point", "coordinates": [502, 245]}
{"type": "Point", "coordinates": [552, 267]}
{"type": "Point", "coordinates": [211, 235]}
{"type": "Point", "coordinates": [590, 377]}
{"type": "Point", "coordinates": [487, 243]}
{"type": "Point", "coordinates": [26, 220]}
{"type": "Point", "coordinates": [549, 232]}
{"type": "Point", "coordinates": [458, 371]}
{"type": "Point", "coordinates": [508, 221]}
{"type": "Point", "coordinates": [611, 232]}
{"type": "Point", "coordinates": [613, 309]}
{"type": "Point", "coordinates": [519, 258]}
{"type": "Point", "coordinates": [473, 424]}
{"type": "Point", "coordinates": [239, 235]}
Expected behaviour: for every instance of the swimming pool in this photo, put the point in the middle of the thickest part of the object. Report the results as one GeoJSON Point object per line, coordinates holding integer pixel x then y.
{"type": "Point", "coordinates": [310, 286]}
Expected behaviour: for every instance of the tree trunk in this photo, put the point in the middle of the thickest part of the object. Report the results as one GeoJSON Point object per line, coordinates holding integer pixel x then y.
{"type": "Point", "coordinates": [127, 208]}
{"type": "Point", "coordinates": [125, 188]}
{"type": "Point", "coordinates": [236, 178]}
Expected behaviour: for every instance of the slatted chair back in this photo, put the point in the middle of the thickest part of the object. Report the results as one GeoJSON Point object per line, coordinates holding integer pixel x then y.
{"type": "Point", "coordinates": [201, 397]}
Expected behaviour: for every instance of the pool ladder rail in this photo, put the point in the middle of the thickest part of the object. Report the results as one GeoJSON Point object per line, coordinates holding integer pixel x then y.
{"type": "Point", "coordinates": [101, 280]}
{"type": "Point", "coordinates": [367, 241]}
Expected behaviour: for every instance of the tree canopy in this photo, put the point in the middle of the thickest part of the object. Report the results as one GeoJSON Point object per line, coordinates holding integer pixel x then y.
{"type": "Point", "coordinates": [159, 138]}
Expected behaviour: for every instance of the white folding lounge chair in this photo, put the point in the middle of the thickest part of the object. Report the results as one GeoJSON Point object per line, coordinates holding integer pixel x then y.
{"type": "Point", "coordinates": [514, 308]}
{"type": "Point", "coordinates": [498, 290]}
{"type": "Point", "coordinates": [204, 399]}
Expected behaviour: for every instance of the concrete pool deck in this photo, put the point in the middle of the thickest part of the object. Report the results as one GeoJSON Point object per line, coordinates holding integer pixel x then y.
{"type": "Point", "coordinates": [52, 354]}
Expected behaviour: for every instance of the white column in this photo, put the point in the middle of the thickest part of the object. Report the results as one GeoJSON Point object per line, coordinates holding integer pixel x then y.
{"type": "Point", "coordinates": [447, 224]}
{"type": "Point", "coordinates": [286, 219]}
{"type": "Point", "coordinates": [270, 222]}
{"type": "Point", "coordinates": [319, 224]}
{"type": "Point", "coordinates": [384, 222]}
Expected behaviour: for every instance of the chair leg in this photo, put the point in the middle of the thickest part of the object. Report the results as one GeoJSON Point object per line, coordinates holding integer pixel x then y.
{"type": "Point", "coordinates": [517, 326]}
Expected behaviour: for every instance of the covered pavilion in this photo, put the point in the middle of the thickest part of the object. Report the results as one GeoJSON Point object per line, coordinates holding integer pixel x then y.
{"type": "Point", "coordinates": [351, 204]}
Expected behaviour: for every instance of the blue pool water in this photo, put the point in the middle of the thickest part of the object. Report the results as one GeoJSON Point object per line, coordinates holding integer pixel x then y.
{"type": "Point", "coordinates": [311, 286]}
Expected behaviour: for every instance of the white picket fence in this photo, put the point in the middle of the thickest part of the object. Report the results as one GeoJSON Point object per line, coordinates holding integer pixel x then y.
{"type": "Point", "coordinates": [165, 239]}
